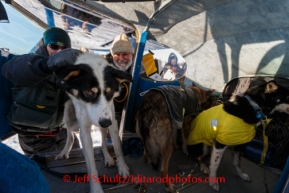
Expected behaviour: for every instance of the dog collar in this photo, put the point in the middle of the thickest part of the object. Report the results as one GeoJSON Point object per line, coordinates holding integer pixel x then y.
{"type": "Point", "coordinates": [258, 110]}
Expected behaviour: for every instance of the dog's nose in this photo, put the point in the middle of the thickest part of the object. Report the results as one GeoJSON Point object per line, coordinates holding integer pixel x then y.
{"type": "Point", "coordinates": [105, 122]}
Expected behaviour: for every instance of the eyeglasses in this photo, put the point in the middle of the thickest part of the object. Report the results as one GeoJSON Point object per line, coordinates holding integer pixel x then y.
{"type": "Point", "coordinates": [57, 47]}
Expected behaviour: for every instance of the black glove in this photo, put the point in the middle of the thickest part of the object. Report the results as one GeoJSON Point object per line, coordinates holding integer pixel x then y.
{"type": "Point", "coordinates": [62, 58]}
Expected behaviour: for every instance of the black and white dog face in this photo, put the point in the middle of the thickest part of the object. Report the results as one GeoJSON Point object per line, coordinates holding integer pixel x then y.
{"type": "Point", "coordinates": [269, 96]}
{"type": "Point", "coordinates": [92, 83]}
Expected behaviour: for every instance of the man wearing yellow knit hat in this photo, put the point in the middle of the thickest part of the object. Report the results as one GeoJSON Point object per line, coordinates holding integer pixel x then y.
{"type": "Point", "coordinates": [121, 52]}
{"type": "Point", "coordinates": [121, 56]}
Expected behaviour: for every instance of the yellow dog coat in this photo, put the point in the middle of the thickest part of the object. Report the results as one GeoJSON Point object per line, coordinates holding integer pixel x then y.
{"type": "Point", "coordinates": [216, 124]}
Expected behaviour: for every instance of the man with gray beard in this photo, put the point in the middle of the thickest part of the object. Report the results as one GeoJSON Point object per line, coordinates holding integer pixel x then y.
{"type": "Point", "coordinates": [121, 56]}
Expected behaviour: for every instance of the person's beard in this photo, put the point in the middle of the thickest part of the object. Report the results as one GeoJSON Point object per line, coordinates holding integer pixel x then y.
{"type": "Point", "coordinates": [123, 64]}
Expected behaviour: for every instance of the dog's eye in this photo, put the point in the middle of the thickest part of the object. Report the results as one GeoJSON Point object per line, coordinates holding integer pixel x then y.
{"type": "Point", "coordinates": [89, 93]}
{"type": "Point", "coordinates": [109, 92]}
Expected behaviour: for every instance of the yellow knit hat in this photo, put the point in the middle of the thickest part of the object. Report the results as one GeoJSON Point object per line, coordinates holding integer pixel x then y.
{"type": "Point", "coordinates": [121, 44]}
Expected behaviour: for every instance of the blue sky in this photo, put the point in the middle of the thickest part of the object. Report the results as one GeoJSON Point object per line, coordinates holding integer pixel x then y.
{"type": "Point", "coordinates": [21, 34]}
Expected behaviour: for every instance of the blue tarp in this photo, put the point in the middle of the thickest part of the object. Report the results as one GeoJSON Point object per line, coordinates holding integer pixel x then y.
{"type": "Point", "coordinates": [5, 99]}
{"type": "Point", "coordinates": [19, 174]}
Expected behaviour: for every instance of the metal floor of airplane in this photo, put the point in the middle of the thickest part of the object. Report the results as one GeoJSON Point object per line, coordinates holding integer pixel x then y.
{"type": "Point", "coordinates": [262, 180]}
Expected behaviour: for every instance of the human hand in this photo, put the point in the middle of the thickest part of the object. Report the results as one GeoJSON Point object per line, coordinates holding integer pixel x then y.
{"type": "Point", "coordinates": [63, 58]}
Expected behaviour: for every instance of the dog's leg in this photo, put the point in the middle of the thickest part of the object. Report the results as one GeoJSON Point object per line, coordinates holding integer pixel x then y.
{"type": "Point", "coordinates": [175, 126]}
{"type": "Point", "coordinates": [236, 164]}
{"type": "Point", "coordinates": [162, 135]}
{"type": "Point", "coordinates": [202, 165]}
{"type": "Point", "coordinates": [175, 136]}
{"type": "Point", "coordinates": [184, 144]}
{"type": "Point", "coordinates": [137, 128]}
{"type": "Point", "coordinates": [68, 145]}
{"type": "Point", "coordinates": [146, 156]}
{"type": "Point", "coordinates": [108, 161]}
{"type": "Point", "coordinates": [186, 127]}
{"type": "Point", "coordinates": [166, 150]}
{"type": "Point", "coordinates": [198, 152]}
{"type": "Point", "coordinates": [123, 170]}
{"type": "Point", "coordinates": [86, 140]}
{"type": "Point", "coordinates": [216, 157]}
{"type": "Point", "coordinates": [71, 126]}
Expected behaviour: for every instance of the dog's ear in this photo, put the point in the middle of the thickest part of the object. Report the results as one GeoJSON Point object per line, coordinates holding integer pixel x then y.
{"type": "Point", "coordinates": [210, 91]}
{"type": "Point", "coordinates": [64, 73]}
{"type": "Point", "coordinates": [120, 75]}
{"type": "Point", "coordinates": [271, 86]}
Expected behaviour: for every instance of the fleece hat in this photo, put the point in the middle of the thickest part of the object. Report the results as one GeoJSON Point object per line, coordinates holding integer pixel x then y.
{"type": "Point", "coordinates": [121, 44]}
{"type": "Point", "coordinates": [55, 35]}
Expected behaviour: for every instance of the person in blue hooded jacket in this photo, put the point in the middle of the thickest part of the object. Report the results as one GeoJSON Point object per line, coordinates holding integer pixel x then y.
{"type": "Point", "coordinates": [173, 65]}
{"type": "Point", "coordinates": [30, 69]}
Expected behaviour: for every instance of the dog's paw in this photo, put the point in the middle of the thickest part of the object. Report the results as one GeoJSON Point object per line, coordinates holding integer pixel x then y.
{"type": "Point", "coordinates": [215, 186]}
{"type": "Point", "coordinates": [109, 162]}
{"type": "Point", "coordinates": [147, 160]}
{"type": "Point", "coordinates": [96, 188]}
{"type": "Point", "coordinates": [204, 168]}
{"type": "Point", "coordinates": [185, 150]}
{"type": "Point", "coordinates": [245, 177]}
{"type": "Point", "coordinates": [170, 188]}
{"type": "Point", "coordinates": [123, 170]}
{"type": "Point", "coordinates": [62, 156]}
{"type": "Point", "coordinates": [176, 147]}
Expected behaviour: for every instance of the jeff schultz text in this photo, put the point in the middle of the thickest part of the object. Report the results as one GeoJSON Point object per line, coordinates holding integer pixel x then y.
{"type": "Point", "coordinates": [142, 179]}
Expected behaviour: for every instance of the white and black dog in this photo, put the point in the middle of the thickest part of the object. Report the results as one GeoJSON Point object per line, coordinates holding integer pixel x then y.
{"type": "Point", "coordinates": [91, 84]}
{"type": "Point", "coordinates": [233, 124]}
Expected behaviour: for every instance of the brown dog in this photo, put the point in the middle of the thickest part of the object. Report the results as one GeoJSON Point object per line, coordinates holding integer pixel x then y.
{"type": "Point", "coordinates": [164, 110]}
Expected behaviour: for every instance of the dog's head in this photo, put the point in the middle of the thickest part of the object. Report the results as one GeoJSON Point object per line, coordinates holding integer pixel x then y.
{"type": "Point", "coordinates": [92, 83]}
{"type": "Point", "coordinates": [205, 99]}
{"type": "Point", "coordinates": [270, 97]}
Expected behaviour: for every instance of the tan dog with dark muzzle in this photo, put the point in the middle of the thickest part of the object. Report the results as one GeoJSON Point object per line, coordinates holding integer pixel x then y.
{"type": "Point", "coordinates": [162, 112]}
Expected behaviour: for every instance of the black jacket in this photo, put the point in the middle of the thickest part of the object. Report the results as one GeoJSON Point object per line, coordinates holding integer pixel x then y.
{"type": "Point", "coordinates": [29, 69]}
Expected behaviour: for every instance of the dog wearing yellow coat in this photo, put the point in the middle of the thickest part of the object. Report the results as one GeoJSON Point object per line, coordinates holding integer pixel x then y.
{"type": "Point", "coordinates": [233, 124]}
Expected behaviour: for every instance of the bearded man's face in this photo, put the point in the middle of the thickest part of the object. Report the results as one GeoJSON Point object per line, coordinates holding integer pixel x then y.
{"type": "Point", "coordinates": [122, 60]}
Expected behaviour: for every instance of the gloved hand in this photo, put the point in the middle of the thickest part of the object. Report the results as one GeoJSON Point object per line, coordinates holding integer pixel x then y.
{"type": "Point", "coordinates": [62, 58]}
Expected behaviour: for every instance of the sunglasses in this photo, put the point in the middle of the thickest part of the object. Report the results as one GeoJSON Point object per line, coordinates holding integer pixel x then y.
{"type": "Point", "coordinates": [57, 47]}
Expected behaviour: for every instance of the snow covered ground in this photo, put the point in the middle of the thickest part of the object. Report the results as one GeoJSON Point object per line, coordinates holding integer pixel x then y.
{"type": "Point", "coordinates": [13, 141]}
